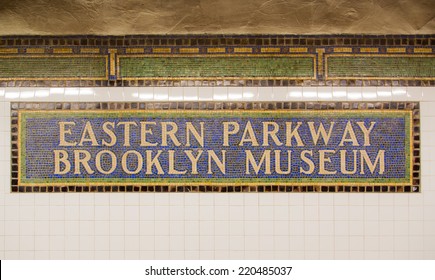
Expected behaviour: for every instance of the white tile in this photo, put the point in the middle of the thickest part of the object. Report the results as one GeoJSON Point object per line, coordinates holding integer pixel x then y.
{"type": "Point", "coordinates": [324, 93]}
{"type": "Point", "coordinates": [2, 94]}
{"type": "Point", "coordinates": [190, 93]}
{"type": "Point", "coordinates": [12, 94]}
{"type": "Point", "coordinates": [309, 93]}
{"type": "Point", "coordinates": [399, 93]}
{"type": "Point", "coordinates": [414, 93]}
{"type": "Point", "coordinates": [369, 93]}
{"type": "Point", "coordinates": [132, 228]}
{"type": "Point", "coordinates": [354, 93]}
{"type": "Point", "coordinates": [71, 94]}
{"type": "Point", "coordinates": [220, 93]}
{"type": "Point", "coordinates": [102, 94]}
{"type": "Point", "coordinates": [131, 94]}
{"type": "Point", "coordinates": [428, 93]}
{"type": "Point", "coordinates": [265, 93]}
{"type": "Point", "coordinates": [280, 93]}
{"type": "Point", "coordinates": [384, 93]}
{"type": "Point", "coordinates": [116, 94]}
{"type": "Point", "coordinates": [176, 94]}
{"type": "Point", "coordinates": [27, 93]}
{"type": "Point", "coordinates": [86, 94]}
{"type": "Point", "coordinates": [146, 93]}
{"type": "Point", "coordinates": [205, 93]}
{"type": "Point", "coordinates": [339, 93]}
{"type": "Point", "coordinates": [161, 93]}
{"type": "Point", "coordinates": [235, 93]}
{"type": "Point", "coordinates": [250, 93]}
{"type": "Point", "coordinates": [294, 93]}
{"type": "Point", "coordinates": [42, 94]}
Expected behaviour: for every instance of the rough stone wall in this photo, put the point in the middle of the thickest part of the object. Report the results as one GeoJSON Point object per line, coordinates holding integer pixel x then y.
{"type": "Point", "coordinates": [114, 17]}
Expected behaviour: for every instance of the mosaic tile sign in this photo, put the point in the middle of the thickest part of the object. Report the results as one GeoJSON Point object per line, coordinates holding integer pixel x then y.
{"type": "Point", "coordinates": [213, 148]}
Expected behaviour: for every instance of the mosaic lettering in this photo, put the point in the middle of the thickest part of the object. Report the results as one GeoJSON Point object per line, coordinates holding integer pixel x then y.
{"type": "Point", "coordinates": [126, 147]}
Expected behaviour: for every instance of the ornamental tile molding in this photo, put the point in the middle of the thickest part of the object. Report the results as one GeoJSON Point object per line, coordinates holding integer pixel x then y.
{"type": "Point", "coordinates": [225, 60]}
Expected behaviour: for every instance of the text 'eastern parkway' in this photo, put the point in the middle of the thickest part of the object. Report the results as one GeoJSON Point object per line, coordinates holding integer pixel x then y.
{"type": "Point", "coordinates": [264, 147]}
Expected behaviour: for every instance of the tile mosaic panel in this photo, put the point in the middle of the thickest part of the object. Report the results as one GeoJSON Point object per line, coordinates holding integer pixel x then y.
{"type": "Point", "coordinates": [226, 60]}
{"type": "Point", "coordinates": [53, 67]}
{"type": "Point", "coordinates": [217, 67]}
{"type": "Point", "coordinates": [215, 147]}
{"type": "Point", "coordinates": [380, 66]}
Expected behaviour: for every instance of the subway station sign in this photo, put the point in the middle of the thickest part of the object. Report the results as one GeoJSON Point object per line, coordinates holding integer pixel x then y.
{"type": "Point", "coordinates": [214, 147]}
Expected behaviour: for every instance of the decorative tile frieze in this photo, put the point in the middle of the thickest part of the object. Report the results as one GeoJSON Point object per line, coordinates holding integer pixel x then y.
{"type": "Point", "coordinates": [200, 60]}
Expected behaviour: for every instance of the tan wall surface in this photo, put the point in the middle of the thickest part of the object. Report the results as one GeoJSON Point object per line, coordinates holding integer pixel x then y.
{"type": "Point", "coordinates": [114, 17]}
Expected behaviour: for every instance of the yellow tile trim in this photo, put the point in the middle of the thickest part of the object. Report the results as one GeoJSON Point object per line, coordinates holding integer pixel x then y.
{"type": "Point", "coordinates": [369, 50]}
{"type": "Point", "coordinates": [162, 50]}
{"type": "Point", "coordinates": [35, 50]}
{"type": "Point", "coordinates": [343, 50]}
{"type": "Point", "coordinates": [298, 50]}
{"type": "Point", "coordinates": [89, 50]}
{"type": "Point", "coordinates": [134, 50]}
{"type": "Point", "coordinates": [216, 50]}
{"type": "Point", "coordinates": [422, 50]}
{"type": "Point", "coordinates": [62, 50]}
{"type": "Point", "coordinates": [243, 50]}
{"type": "Point", "coordinates": [112, 68]}
{"type": "Point", "coordinates": [189, 50]}
{"type": "Point", "coordinates": [270, 50]}
{"type": "Point", "coordinates": [320, 52]}
{"type": "Point", "coordinates": [396, 50]}
{"type": "Point", "coordinates": [8, 50]}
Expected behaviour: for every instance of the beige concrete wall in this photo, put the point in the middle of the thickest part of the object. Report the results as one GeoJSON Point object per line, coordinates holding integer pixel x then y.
{"type": "Point", "coordinates": [114, 17]}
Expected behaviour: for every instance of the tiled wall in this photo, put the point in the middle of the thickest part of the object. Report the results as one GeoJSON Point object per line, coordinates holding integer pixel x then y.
{"type": "Point", "coordinates": [217, 60]}
{"type": "Point", "coordinates": [219, 225]}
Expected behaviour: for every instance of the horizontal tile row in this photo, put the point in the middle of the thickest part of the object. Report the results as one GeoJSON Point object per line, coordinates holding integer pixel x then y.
{"type": "Point", "coordinates": [131, 94]}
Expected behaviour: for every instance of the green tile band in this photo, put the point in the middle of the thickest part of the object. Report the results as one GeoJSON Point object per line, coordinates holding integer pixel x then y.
{"type": "Point", "coordinates": [132, 67]}
{"type": "Point", "coordinates": [377, 66]}
{"type": "Point", "coordinates": [53, 67]}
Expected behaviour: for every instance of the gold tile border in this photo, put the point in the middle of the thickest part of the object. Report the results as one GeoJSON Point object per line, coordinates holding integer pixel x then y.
{"type": "Point", "coordinates": [343, 50]}
{"type": "Point", "coordinates": [369, 50]}
{"type": "Point", "coordinates": [270, 50]}
{"type": "Point", "coordinates": [62, 50]}
{"type": "Point", "coordinates": [59, 78]}
{"type": "Point", "coordinates": [313, 56]}
{"type": "Point", "coordinates": [162, 50]}
{"type": "Point", "coordinates": [35, 50]}
{"type": "Point", "coordinates": [189, 50]}
{"type": "Point", "coordinates": [396, 50]}
{"type": "Point", "coordinates": [242, 50]}
{"type": "Point", "coordinates": [216, 50]}
{"type": "Point", "coordinates": [134, 50]}
{"type": "Point", "coordinates": [373, 78]}
{"type": "Point", "coordinates": [8, 50]}
{"type": "Point", "coordinates": [90, 50]}
{"type": "Point", "coordinates": [320, 56]}
{"type": "Point", "coordinates": [422, 50]}
{"type": "Point", "coordinates": [298, 50]}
